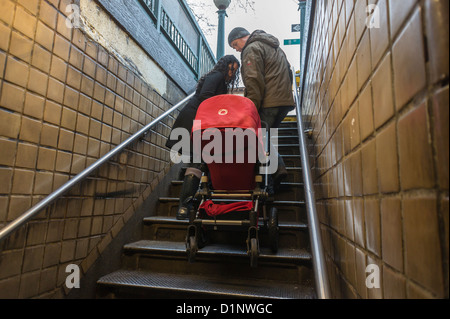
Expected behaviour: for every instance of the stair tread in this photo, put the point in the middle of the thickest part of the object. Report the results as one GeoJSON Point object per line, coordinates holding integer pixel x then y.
{"type": "Point", "coordinates": [173, 221]}
{"type": "Point", "coordinates": [238, 287]}
{"type": "Point", "coordinates": [180, 182]}
{"type": "Point", "coordinates": [291, 184]}
{"type": "Point", "coordinates": [286, 136]}
{"type": "Point", "coordinates": [179, 248]}
{"type": "Point", "coordinates": [271, 202]}
{"type": "Point", "coordinates": [287, 128]}
{"type": "Point", "coordinates": [287, 145]}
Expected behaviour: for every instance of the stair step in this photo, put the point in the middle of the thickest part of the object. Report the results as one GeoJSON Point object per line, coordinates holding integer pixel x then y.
{"type": "Point", "coordinates": [288, 184]}
{"type": "Point", "coordinates": [285, 129]}
{"type": "Point", "coordinates": [285, 184]}
{"type": "Point", "coordinates": [288, 131]}
{"type": "Point", "coordinates": [218, 250]}
{"type": "Point", "coordinates": [285, 139]}
{"type": "Point", "coordinates": [292, 233]}
{"type": "Point", "coordinates": [289, 124]}
{"type": "Point", "coordinates": [280, 137]}
{"type": "Point", "coordinates": [205, 286]}
{"type": "Point", "coordinates": [288, 189]}
{"type": "Point", "coordinates": [168, 220]}
{"type": "Point", "coordinates": [288, 145]}
{"type": "Point", "coordinates": [270, 202]}
{"type": "Point", "coordinates": [290, 168]}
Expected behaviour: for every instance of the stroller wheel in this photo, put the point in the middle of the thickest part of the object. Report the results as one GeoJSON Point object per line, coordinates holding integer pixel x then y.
{"type": "Point", "coordinates": [273, 230]}
{"type": "Point", "coordinates": [253, 252]}
{"type": "Point", "coordinates": [192, 249]}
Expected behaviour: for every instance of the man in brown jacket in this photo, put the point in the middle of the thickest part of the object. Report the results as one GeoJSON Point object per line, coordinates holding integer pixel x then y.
{"type": "Point", "coordinates": [267, 78]}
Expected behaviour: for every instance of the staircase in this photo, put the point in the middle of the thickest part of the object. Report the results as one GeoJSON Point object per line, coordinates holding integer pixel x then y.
{"type": "Point", "coordinates": [157, 267]}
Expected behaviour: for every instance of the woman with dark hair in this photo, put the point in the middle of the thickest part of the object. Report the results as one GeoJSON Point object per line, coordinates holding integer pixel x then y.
{"type": "Point", "coordinates": [223, 78]}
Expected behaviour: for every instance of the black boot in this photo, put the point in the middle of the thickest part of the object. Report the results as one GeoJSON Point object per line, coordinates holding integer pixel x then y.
{"type": "Point", "coordinates": [188, 190]}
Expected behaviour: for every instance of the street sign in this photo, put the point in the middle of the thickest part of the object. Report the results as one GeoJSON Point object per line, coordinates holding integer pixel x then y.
{"type": "Point", "coordinates": [291, 41]}
{"type": "Point", "coordinates": [296, 28]}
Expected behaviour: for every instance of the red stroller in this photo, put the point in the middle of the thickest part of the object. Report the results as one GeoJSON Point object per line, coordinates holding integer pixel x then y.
{"type": "Point", "coordinates": [227, 135]}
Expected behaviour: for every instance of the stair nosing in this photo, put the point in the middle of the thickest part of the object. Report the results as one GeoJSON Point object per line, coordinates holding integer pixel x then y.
{"type": "Point", "coordinates": [271, 202]}
{"type": "Point", "coordinates": [287, 145]}
{"type": "Point", "coordinates": [210, 285]}
{"type": "Point", "coordinates": [169, 220]}
{"type": "Point", "coordinates": [178, 248]}
{"type": "Point", "coordinates": [286, 137]}
{"type": "Point", "coordinates": [292, 184]}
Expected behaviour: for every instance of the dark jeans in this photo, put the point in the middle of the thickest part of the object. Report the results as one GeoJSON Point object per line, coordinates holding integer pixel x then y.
{"type": "Point", "coordinates": [273, 117]}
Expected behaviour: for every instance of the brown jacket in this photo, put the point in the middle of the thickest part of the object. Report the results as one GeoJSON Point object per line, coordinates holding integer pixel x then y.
{"type": "Point", "coordinates": [266, 72]}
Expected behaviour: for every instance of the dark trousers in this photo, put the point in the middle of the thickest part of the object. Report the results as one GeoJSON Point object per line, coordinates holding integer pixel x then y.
{"type": "Point", "coordinates": [273, 116]}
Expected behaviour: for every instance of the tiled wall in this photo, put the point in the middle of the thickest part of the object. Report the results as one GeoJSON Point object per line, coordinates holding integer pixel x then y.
{"type": "Point", "coordinates": [378, 103]}
{"type": "Point", "coordinates": [64, 102]}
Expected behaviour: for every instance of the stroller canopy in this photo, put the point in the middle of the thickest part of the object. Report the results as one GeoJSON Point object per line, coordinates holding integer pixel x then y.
{"type": "Point", "coordinates": [232, 167]}
{"type": "Point", "coordinates": [225, 111]}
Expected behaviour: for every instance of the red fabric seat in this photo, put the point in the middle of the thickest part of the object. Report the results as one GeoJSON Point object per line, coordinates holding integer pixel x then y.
{"type": "Point", "coordinates": [212, 209]}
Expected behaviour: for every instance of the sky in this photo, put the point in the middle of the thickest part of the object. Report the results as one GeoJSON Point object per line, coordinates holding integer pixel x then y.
{"type": "Point", "coordinates": [273, 16]}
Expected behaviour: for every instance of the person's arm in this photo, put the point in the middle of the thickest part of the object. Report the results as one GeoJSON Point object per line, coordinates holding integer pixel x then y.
{"type": "Point", "coordinates": [253, 74]}
{"type": "Point", "coordinates": [210, 85]}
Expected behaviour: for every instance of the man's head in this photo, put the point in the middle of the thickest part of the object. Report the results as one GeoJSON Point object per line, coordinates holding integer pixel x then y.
{"type": "Point", "coordinates": [238, 38]}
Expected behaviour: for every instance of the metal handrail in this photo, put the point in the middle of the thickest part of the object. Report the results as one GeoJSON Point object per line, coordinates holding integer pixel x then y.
{"type": "Point", "coordinates": [320, 270]}
{"type": "Point", "coordinates": [25, 217]}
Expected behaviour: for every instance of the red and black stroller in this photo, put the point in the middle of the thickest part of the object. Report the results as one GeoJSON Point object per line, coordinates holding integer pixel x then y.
{"type": "Point", "coordinates": [232, 194]}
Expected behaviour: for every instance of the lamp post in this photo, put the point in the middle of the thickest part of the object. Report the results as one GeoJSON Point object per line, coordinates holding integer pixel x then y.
{"type": "Point", "coordinates": [222, 5]}
{"type": "Point", "coordinates": [302, 9]}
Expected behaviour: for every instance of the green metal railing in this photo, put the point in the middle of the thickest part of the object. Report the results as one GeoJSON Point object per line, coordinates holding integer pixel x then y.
{"type": "Point", "coordinates": [172, 32]}
{"type": "Point", "coordinates": [199, 62]}
{"type": "Point", "coordinates": [151, 5]}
